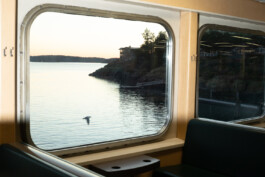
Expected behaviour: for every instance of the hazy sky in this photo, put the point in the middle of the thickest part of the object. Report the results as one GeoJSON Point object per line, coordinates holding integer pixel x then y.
{"type": "Point", "coordinates": [76, 35]}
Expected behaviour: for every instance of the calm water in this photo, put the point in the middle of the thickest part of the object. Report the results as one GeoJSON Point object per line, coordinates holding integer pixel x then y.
{"type": "Point", "coordinates": [62, 94]}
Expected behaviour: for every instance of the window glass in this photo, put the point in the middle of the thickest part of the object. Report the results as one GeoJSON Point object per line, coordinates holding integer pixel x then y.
{"type": "Point", "coordinates": [231, 74]}
{"type": "Point", "coordinates": [96, 80]}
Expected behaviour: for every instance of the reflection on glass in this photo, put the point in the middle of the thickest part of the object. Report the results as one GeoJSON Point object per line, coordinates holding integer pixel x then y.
{"type": "Point", "coordinates": [231, 74]}
{"type": "Point", "coordinates": [97, 80]}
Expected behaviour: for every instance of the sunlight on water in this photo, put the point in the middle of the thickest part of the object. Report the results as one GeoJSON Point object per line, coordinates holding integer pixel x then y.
{"type": "Point", "coordinates": [62, 94]}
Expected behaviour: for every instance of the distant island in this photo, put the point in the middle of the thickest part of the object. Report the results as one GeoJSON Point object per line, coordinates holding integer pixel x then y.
{"type": "Point", "coordinates": [62, 58]}
{"type": "Point", "coordinates": [136, 66]}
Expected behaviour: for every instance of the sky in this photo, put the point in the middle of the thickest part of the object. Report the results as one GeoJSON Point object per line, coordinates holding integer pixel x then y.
{"type": "Point", "coordinates": [55, 33]}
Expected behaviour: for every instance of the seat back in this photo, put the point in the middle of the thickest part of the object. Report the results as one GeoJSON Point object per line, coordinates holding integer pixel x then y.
{"type": "Point", "coordinates": [229, 149]}
{"type": "Point", "coordinates": [15, 163]}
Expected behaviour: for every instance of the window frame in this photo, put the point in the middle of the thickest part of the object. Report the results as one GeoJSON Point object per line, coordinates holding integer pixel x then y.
{"type": "Point", "coordinates": [201, 31]}
{"type": "Point", "coordinates": [24, 80]}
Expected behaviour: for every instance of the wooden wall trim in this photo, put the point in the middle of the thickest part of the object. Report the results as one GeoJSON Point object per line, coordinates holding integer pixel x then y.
{"type": "Point", "coordinates": [8, 71]}
{"type": "Point", "coordinates": [247, 9]}
{"type": "Point", "coordinates": [187, 71]}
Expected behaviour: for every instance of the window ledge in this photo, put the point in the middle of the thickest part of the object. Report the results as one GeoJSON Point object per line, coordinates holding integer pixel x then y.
{"type": "Point", "coordinates": [126, 152]}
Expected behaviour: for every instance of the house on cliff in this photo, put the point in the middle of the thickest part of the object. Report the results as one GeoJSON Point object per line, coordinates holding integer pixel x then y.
{"type": "Point", "coordinates": [128, 53]}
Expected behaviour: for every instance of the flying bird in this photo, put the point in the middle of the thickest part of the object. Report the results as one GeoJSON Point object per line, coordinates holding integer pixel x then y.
{"type": "Point", "coordinates": [87, 119]}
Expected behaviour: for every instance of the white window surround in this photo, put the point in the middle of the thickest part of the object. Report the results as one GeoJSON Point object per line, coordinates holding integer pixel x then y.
{"type": "Point", "coordinates": [24, 6]}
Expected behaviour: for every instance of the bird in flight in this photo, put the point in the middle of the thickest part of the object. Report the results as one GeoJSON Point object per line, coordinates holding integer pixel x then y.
{"type": "Point", "coordinates": [87, 119]}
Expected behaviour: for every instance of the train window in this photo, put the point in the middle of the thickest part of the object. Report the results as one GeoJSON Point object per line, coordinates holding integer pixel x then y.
{"type": "Point", "coordinates": [231, 74]}
{"type": "Point", "coordinates": [95, 79]}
